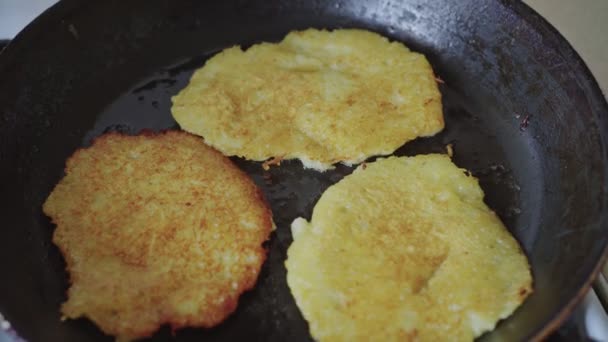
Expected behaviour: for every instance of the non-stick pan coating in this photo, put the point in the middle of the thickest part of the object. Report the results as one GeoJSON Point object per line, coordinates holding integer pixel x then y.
{"type": "Point", "coordinates": [522, 112]}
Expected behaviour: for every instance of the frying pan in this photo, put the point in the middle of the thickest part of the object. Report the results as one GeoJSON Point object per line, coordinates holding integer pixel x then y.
{"type": "Point", "coordinates": [522, 111]}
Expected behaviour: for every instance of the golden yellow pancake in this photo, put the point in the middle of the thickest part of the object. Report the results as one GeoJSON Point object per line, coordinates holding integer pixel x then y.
{"type": "Point", "coordinates": [156, 229]}
{"type": "Point", "coordinates": [319, 96]}
{"type": "Point", "coordinates": [405, 249]}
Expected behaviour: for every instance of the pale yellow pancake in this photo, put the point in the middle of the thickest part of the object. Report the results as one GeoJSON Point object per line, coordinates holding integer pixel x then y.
{"type": "Point", "coordinates": [405, 249]}
{"type": "Point", "coordinates": [319, 96]}
{"type": "Point", "coordinates": [156, 229]}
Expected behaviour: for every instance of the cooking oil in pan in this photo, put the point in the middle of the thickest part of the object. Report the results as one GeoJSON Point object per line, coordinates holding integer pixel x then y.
{"type": "Point", "coordinates": [292, 191]}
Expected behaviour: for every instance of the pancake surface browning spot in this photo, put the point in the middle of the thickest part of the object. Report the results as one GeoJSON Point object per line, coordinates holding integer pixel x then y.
{"type": "Point", "coordinates": [318, 96]}
{"type": "Point", "coordinates": [156, 229]}
{"type": "Point", "coordinates": [405, 249]}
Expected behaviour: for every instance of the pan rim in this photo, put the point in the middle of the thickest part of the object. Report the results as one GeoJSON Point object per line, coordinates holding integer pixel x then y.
{"type": "Point", "coordinates": [527, 14]}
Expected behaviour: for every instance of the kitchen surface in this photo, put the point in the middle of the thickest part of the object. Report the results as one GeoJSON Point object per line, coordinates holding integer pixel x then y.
{"type": "Point", "coordinates": [583, 23]}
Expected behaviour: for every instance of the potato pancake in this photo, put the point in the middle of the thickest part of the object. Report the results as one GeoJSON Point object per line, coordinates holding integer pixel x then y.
{"type": "Point", "coordinates": [156, 229]}
{"type": "Point", "coordinates": [319, 96]}
{"type": "Point", "coordinates": [405, 249]}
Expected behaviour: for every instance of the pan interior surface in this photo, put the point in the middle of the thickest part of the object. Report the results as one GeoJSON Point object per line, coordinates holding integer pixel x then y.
{"type": "Point", "coordinates": [522, 113]}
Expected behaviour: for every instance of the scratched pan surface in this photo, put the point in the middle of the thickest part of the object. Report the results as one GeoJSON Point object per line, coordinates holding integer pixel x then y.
{"type": "Point", "coordinates": [522, 112]}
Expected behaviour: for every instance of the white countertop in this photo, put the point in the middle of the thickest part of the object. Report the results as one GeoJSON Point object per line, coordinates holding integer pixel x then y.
{"type": "Point", "coordinates": [15, 14]}
{"type": "Point", "coordinates": [584, 23]}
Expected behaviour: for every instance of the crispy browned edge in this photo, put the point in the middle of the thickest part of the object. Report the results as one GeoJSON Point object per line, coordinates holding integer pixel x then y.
{"type": "Point", "coordinates": [231, 305]}
{"type": "Point", "coordinates": [541, 335]}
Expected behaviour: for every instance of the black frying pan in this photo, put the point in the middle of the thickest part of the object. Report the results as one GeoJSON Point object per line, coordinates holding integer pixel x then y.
{"type": "Point", "coordinates": [522, 110]}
